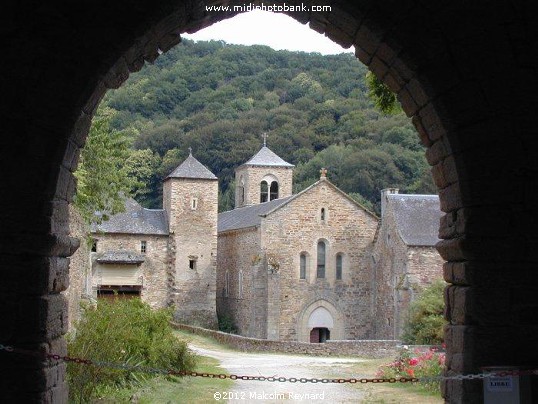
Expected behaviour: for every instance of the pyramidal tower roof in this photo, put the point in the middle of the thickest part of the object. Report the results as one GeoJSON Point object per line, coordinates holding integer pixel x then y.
{"type": "Point", "coordinates": [192, 168]}
{"type": "Point", "coordinates": [266, 157]}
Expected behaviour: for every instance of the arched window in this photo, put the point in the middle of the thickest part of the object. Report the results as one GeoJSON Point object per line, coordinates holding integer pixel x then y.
{"type": "Point", "coordinates": [339, 260]}
{"type": "Point", "coordinates": [322, 216]}
{"type": "Point", "coordinates": [240, 284]}
{"type": "Point", "coordinates": [273, 191]}
{"type": "Point", "coordinates": [241, 192]}
{"type": "Point", "coordinates": [302, 266]}
{"type": "Point", "coordinates": [321, 260]}
{"type": "Point", "coordinates": [264, 192]}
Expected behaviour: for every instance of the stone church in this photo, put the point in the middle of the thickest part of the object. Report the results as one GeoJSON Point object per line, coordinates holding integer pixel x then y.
{"type": "Point", "coordinates": [310, 266]}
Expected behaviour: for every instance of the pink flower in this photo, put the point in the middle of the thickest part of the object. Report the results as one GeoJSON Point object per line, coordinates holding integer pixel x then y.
{"type": "Point", "coordinates": [413, 361]}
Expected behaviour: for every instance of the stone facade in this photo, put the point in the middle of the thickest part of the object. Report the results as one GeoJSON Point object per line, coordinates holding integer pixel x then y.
{"type": "Point", "coordinates": [268, 253]}
{"type": "Point", "coordinates": [400, 267]}
{"type": "Point", "coordinates": [192, 217]}
{"type": "Point", "coordinates": [151, 273]}
{"type": "Point", "coordinates": [79, 264]}
{"type": "Point", "coordinates": [166, 256]}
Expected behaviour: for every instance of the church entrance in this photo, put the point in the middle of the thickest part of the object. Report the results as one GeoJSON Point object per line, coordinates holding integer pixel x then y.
{"type": "Point", "coordinates": [319, 334]}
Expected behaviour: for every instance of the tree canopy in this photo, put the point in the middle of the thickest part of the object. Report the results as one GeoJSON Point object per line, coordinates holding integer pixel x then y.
{"type": "Point", "coordinates": [219, 98]}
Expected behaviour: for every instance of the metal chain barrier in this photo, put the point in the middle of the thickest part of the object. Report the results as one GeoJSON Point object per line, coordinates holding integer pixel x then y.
{"type": "Point", "coordinates": [143, 369]}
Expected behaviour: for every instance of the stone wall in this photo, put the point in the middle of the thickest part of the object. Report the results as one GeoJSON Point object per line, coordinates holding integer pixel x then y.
{"type": "Point", "coordinates": [400, 272]}
{"type": "Point", "coordinates": [79, 267]}
{"type": "Point", "coordinates": [153, 270]}
{"type": "Point", "coordinates": [356, 348]}
{"type": "Point", "coordinates": [194, 233]}
{"type": "Point", "coordinates": [253, 176]}
{"type": "Point", "coordinates": [246, 306]}
{"type": "Point", "coordinates": [296, 228]}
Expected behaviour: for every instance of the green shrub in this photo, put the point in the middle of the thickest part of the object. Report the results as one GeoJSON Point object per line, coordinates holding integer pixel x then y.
{"type": "Point", "coordinates": [121, 331]}
{"type": "Point", "coordinates": [226, 324]}
{"type": "Point", "coordinates": [425, 321]}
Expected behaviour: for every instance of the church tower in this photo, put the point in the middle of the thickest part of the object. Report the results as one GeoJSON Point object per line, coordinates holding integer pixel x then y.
{"type": "Point", "coordinates": [190, 200]}
{"type": "Point", "coordinates": [263, 178]}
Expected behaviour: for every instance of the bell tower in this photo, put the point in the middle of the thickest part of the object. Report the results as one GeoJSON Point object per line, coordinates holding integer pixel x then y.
{"type": "Point", "coordinates": [263, 178]}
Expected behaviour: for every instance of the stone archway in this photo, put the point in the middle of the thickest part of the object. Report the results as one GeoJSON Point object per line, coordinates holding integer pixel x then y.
{"type": "Point", "coordinates": [465, 72]}
{"type": "Point", "coordinates": [320, 314]}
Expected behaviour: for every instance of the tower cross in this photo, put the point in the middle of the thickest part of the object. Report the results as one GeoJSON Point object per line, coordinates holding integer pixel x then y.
{"type": "Point", "coordinates": [264, 139]}
{"type": "Point", "coordinates": [190, 151]}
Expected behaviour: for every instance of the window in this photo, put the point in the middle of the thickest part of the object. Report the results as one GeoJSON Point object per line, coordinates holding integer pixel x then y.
{"type": "Point", "coordinates": [94, 245]}
{"type": "Point", "coordinates": [240, 284]}
{"type": "Point", "coordinates": [339, 260]}
{"type": "Point", "coordinates": [321, 260]}
{"type": "Point", "coordinates": [273, 191]}
{"type": "Point", "coordinates": [322, 214]}
{"type": "Point", "coordinates": [264, 192]}
{"type": "Point", "coordinates": [194, 203]}
{"type": "Point", "coordinates": [302, 266]}
{"type": "Point", "coordinates": [192, 263]}
{"type": "Point", "coordinates": [143, 246]}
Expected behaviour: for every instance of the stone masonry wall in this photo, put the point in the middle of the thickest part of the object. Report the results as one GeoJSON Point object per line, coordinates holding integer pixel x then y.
{"type": "Point", "coordinates": [253, 177]}
{"type": "Point", "coordinates": [240, 251]}
{"type": "Point", "coordinates": [153, 269]}
{"type": "Point", "coordinates": [195, 236]}
{"type": "Point", "coordinates": [361, 348]}
{"type": "Point", "coordinates": [296, 228]}
{"type": "Point", "coordinates": [400, 272]}
{"type": "Point", "coordinates": [79, 267]}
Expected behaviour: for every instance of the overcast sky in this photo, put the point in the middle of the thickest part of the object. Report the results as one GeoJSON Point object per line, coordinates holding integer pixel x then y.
{"type": "Point", "coordinates": [272, 29]}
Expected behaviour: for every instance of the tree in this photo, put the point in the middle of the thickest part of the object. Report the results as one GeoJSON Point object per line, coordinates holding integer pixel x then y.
{"type": "Point", "coordinates": [425, 321]}
{"type": "Point", "coordinates": [102, 176]}
{"type": "Point", "coordinates": [384, 99]}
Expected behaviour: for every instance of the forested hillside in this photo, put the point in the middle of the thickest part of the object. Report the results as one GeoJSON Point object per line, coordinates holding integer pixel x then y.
{"type": "Point", "coordinates": [218, 99]}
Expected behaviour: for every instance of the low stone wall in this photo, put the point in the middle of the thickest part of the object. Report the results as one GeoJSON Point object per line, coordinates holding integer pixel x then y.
{"type": "Point", "coordinates": [362, 348]}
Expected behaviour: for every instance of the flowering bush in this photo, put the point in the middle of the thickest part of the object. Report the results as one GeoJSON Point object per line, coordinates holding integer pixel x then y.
{"type": "Point", "coordinates": [416, 363]}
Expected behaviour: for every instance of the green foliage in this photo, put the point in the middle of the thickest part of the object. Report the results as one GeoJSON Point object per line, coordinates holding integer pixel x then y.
{"type": "Point", "coordinates": [121, 331]}
{"type": "Point", "coordinates": [103, 179]}
{"type": "Point", "coordinates": [384, 99]}
{"type": "Point", "coordinates": [226, 324]}
{"type": "Point", "coordinates": [218, 99]}
{"type": "Point", "coordinates": [416, 363]}
{"type": "Point", "coordinates": [425, 321]}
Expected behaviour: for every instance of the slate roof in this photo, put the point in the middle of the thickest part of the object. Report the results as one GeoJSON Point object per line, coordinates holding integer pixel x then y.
{"type": "Point", "coordinates": [192, 168]}
{"type": "Point", "coordinates": [417, 218]}
{"type": "Point", "coordinates": [248, 216]}
{"type": "Point", "coordinates": [120, 257]}
{"type": "Point", "coordinates": [266, 157]}
{"type": "Point", "coordinates": [135, 220]}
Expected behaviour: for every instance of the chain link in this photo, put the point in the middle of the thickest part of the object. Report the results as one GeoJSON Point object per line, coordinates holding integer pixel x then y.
{"type": "Point", "coordinates": [272, 379]}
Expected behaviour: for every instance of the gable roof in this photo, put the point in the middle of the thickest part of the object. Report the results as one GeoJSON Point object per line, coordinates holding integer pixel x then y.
{"type": "Point", "coordinates": [192, 168]}
{"type": "Point", "coordinates": [135, 220]}
{"type": "Point", "coordinates": [266, 157]}
{"type": "Point", "coordinates": [417, 218]}
{"type": "Point", "coordinates": [248, 216]}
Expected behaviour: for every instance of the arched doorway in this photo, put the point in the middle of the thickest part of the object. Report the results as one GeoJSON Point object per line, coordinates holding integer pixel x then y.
{"type": "Point", "coordinates": [320, 323]}
{"type": "Point", "coordinates": [463, 71]}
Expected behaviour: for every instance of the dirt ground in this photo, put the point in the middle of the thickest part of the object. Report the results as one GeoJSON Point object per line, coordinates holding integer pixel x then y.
{"type": "Point", "coordinates": [275, 365]}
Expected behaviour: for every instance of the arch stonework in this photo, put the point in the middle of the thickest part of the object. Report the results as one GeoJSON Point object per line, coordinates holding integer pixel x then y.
{"type": "Point", "coordinates": [304, 325]}
{"type": "Point", "coordinates": [464, 71]}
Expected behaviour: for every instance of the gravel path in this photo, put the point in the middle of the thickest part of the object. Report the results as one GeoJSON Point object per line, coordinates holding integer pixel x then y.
{"type": "Point", "coordinates": [263, 364]}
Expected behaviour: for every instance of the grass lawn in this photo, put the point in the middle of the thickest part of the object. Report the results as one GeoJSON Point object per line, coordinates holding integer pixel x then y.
{"type": "Point", "coordinates": [385, 393]}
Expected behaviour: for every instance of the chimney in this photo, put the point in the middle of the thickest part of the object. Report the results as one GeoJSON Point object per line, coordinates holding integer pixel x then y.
{"type": "Point", "coordinates": [384, 198]}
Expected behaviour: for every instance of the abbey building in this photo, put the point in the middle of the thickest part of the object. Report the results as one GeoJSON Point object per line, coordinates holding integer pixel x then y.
{"type": "Point", "coordinates": [310, 266]}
